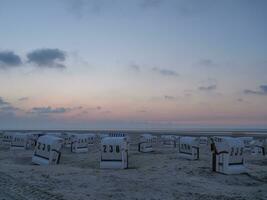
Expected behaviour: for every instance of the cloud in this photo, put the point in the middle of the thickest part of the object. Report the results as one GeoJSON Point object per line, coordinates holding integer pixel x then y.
{"type": "Point", "coordinates": [188, 93]}
{"type": "Point", "coordinates": [94, 108]}
{"type": "Point", "coordinates": [77, 108]}
{"type": "Point", "coordinates": [209, 84]}
{"type": "Point", "coordinates": [165, 72]}
{"type": "Point", "coordinates": [8, 109]}
{"type": "Point", "coordinates": [135, 67]}
{"type": "Point", "coordinates": [76, 7]}
{"type": "Point", "coordinates": [208, 88]}
{"type": "Point", "coordinates": [207, 63]}
{"type": "Point", "coordinates": [240, 100]}
{"type": "Point", "coordinates": [262, 91]}
{"type": "Point", "coordinates": [49, 110]}
{"type": "Point", "coordinates": [3, 102]}
{"type": "Point", "coordinates": [23, 99]}
{"type": "Point", "coordinates": [9, 59]}
{"type": "Point", "coordinates": [51, 58]}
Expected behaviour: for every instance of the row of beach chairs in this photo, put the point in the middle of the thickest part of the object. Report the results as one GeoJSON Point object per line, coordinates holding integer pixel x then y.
{"type": "Point", "coordinates": [227, 152]}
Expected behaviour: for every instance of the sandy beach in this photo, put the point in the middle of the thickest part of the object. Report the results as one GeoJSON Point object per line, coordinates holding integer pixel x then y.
{"type": "Point", "coordinates": [158, 175]}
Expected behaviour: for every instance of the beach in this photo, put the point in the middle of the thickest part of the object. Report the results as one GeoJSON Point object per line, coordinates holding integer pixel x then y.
{"type": "Point", "coordinates": [161, 174]}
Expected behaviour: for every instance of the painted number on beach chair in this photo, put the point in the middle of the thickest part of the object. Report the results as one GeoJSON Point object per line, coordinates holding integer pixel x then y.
{"type": "Point", "coordinates": [111, 149]}
{"type": "Point", "coordinates": [104, 148]}
{"type": "Point", "coordinates": [117, 148]}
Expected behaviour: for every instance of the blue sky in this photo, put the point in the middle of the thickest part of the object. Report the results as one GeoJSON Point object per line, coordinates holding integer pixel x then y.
{"type": "Point", "coordinates": [133, 64]}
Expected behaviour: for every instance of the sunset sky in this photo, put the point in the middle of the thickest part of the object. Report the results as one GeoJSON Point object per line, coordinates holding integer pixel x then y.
{"type": "Point", "coordinates": [133, 64]}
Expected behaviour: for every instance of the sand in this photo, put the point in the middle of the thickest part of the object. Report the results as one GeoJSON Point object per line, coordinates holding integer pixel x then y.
{"type": "Point", "coordinates": [158, 175]}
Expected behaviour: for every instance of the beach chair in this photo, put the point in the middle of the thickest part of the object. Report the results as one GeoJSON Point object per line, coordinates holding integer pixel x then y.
{"type": "Point", "coordinates": [79, 143]}
{"type": "Point", "coordinates": [258, 147]}
{"type": "Point", "coordinates": [189, 148]}
{"type": "Point", "coordinates": [114, 153]}
{"type": "Point", "coordinates": [99, 137]}
{"type": "Point", "coordinates": [228, 155]}
{"type": "Point", "coordinates": [91, 139]}
{"type": "Point", "coordinates": [102, 135]}
{"type": "Point", "coordinates": [117, 135]}
{"type": "Point", "coordinates": [203, 140]}
{"type": "Point", "coordinates": [7, 138]}
{"type": "Point", "coordinates": [247, 143]}
{"type": "Point", "coordinates": [55, 134]}
{"type": "Point", "coordinates": [168, 141]}
{"type": "Point", "coordinates": [146, 142]}
{"type": "Point", "coordinates": [47, 150]}
{"type": "Point", "coordinates": [67, 139]}
{"type": "Point", "coordinates": [125, 135]}
{"type": "Point", "coordinates": [22, 141]}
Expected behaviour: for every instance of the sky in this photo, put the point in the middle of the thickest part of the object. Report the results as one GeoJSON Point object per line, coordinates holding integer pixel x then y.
{"type": "Point", "coordinates": [133, 64]}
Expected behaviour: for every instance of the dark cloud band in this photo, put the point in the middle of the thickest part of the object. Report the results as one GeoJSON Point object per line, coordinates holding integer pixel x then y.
{"type": "Point", "coordinates": [9, 59]}
{"type": "Point", "coordinates": [47, 58]}
{"type": "Point", "coordinates": [207, 88]}
{"type": "Point", "coordinates": [49, 110]}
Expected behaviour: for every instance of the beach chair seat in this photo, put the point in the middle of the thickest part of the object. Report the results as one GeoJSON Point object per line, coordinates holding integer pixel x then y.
{"type": "Point", "coordinates": [22, 141]}
{"type": "Point", "coordinates": [79, 143]}
{"type": "Point", "coordinates": [146, 143]}
{"type": "Point", "coordinates": [47, 150]}
{"type": "Point", "coordinates": [228, 155]}
{"type": "Point", "coordinates": [189, 148]}
{"type": "Point", "coordinates": [7, 138]}
{"type": "Point", "coordinates": [114, 153]}
{"type": "Point", "coordinates": [168, 141]}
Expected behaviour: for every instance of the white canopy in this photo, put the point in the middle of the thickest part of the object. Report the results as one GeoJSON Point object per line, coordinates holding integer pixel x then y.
{"type": "Point", "coordinates": [168, 137]}
{"type": "Point", "coordinates": [226, 143]}
{"type": "Point", "coordinates": [147, 136]}
{"type": "Point", "coordinates": [49, 139]}
{"type": "Point", "coordinates": [113, 140]}
{"type": "Point", "coordinates": [189, 140]}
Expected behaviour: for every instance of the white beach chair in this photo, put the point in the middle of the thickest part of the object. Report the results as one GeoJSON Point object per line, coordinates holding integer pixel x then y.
{"type": "Point", "coordinates": [47, 150]}
{"type": "Point", "coordinates": [7, 138]}
{"type": "Point", "coordinates": [117, 135]}
{"type": "Point", "coordinates": [189, 148]}
{"type": "Point", "coordinates": [125, 135]}
{"type": "Point", "coordinates": [91, 139]}
{"type": "Point", "coordinates": [55, 134]}
{"type": "Point", "coordinates": [114, 153]}
{"type": "Point", "coordinates": [22, 141]}
{"type": "Point", "coordinates": [146, 142]}
{"type": "Point", "coordinates": [99, 137]}
{"type": "Point", "coordinates": [259, 147]}
{"type": "Point", "coordinates": [79, 143]}
{"type": "Point", "coordinates": [102, 135]}
{"type": "Point", "coordinates": [203, 140]}
{"type": "Point", "coordinates": [247, 143]}
{"type": "Point", "coordinates": [228, 155]}
{"type": "Point", "coordinates": [168, 141]}
{"type": "Point", "coordinates": [67, 139]}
